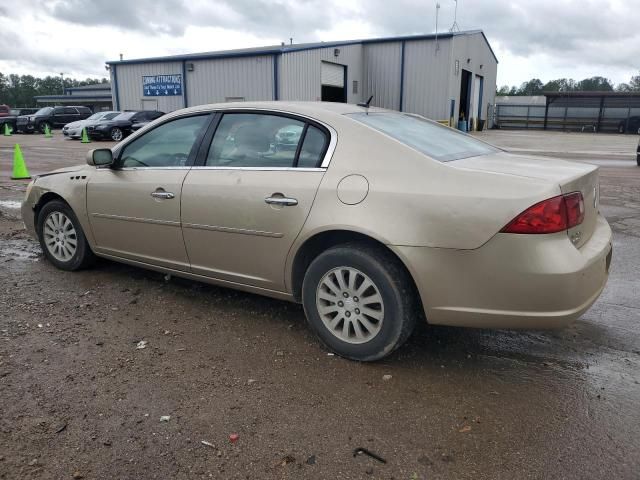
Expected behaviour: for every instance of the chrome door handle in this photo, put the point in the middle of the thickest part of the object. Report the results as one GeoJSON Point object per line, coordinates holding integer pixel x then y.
{"type": "Point", "coordinates": [165, 195]}
{"type": "Point", "coordinates": [288, 202]}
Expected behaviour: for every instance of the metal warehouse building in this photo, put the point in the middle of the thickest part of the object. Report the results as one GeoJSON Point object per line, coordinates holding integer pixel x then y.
{"type": "Point", "coordinates": [443, 77]}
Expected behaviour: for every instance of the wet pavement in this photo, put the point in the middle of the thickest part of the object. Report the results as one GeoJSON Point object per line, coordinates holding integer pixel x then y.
{"type": "Point", "coordinates": [78, 397]}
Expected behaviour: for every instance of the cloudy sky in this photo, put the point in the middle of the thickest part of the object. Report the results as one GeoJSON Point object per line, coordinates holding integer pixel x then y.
{"type": "Point", "coordinates": [547, 39]}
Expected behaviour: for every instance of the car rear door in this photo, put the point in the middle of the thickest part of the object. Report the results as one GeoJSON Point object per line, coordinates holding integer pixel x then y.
{"type": "Point", "coordinates": [134, 207]}
{"type": "Point", "coordinates": [246, 201]}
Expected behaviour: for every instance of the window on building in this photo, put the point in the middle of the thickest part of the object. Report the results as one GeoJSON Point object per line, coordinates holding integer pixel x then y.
{"type": "Point", "coordinates": [355, 87]}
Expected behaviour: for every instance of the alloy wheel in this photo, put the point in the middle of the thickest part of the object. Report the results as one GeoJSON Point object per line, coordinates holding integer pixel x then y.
{"type": "Point", "coordinates": [60, 236]}
{"type": "Point", "coordinates": [350, 305]}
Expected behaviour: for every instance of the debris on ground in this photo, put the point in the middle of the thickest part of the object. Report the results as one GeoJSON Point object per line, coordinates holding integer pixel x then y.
{"type": "Point", "coordinates": [141, 344]}
{"type": "Point", "coordinates": [287, 459]}
{"type": "Point", "coordinates": [311, 460]}
{"type": "Point", "coordinates": [165, 418]}
{"type": "Point", "coordinates": [368, 453]}
{"type": "Point", "coordinates": [387, 377]}
{"type": "Point", "coordinates": [208, 444]}
{"type": "Point", "coordinates": [77, 475]}
{"type": "Point", "coordinates": [233, 438]}
{"type": "Point", "coordinates": [465, 429]}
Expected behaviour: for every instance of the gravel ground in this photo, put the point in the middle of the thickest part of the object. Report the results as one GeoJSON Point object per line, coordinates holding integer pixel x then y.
{"type": "Point", "coordinates": [80, 398]}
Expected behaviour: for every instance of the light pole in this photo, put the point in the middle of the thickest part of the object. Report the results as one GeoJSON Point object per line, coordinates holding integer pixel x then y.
{"type": "Point", "coordinates": [62, 81]}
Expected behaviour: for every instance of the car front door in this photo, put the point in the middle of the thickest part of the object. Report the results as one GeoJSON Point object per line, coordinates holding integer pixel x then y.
{"type": "Point", "coordinates": [134, 207]}
{"type": "Point", "coordinates": [247, 200]}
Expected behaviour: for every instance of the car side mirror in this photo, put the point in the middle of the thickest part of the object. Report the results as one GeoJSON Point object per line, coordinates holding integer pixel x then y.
{"type": "Point", "coordinates": [100, 157]}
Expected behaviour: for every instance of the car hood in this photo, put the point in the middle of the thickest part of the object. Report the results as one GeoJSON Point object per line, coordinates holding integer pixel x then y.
{"type": "Point", "coordinates": [79, 123]}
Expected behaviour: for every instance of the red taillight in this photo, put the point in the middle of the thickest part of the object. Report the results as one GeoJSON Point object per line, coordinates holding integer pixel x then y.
{"type": "Point", "coordinates": [549, 216]}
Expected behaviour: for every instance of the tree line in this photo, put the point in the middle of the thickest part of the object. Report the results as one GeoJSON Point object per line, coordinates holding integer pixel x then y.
{"type": "Point", "coordinates": [19, 90]}
{"type": "Point", "coordinates": [601, 84]}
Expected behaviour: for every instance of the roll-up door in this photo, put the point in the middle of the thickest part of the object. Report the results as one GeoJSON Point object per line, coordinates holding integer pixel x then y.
{"type": "Point", "coordinates": [332, 74]}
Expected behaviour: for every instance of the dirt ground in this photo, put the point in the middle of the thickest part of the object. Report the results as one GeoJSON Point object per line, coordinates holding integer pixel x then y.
{"type": "Point", "coordinates": [78, 399]}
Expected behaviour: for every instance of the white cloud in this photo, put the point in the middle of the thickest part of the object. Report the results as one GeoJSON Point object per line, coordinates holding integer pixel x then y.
{"type": "Point", "coordinates": [546, 39]}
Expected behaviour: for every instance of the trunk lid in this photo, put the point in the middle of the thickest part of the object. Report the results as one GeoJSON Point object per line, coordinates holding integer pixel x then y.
{"type": "Point", "coordinates": [568, 176]}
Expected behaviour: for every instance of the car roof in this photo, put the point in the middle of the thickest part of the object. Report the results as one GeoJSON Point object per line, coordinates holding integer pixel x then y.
{"type": "Point", "coordinates": [324, 109]}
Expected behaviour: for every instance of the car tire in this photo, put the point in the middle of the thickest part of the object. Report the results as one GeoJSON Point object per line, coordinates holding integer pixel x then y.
{"type": "Point", "coordinates": [116, 134]}
{"type": "Point", "coordinates": [43, 126]}
{"type": "Point", "coordinates": [58, 229]}
{"type": "Point", "coordinates": [368, 314]}
{"type": "Point", "coordinates": [620, 128]}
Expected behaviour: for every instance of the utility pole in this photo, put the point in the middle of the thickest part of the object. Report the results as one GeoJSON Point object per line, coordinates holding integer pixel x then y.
{"type": "Point", "coordinates": [62, 81]}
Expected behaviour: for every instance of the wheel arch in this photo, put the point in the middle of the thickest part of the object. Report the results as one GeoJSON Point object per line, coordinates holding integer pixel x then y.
{"type": "Point", "coordinates": [43, 200]}
{"type": "Point", "coordinates": [321, 241]}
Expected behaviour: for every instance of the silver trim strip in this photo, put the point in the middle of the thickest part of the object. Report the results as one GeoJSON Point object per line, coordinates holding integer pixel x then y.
{"type": "Point", "coordinates": [264, 169]}
{"type": "Point", "coordinates": [241, 231]}
{"type": "Point", "coordinates": [136, 219]}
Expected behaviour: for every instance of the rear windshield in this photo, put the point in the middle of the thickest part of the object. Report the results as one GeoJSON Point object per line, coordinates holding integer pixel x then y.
{"type": "Point", "coordinates": [437, 141]}
{"type": "Point", "coordinates": [125, 116]}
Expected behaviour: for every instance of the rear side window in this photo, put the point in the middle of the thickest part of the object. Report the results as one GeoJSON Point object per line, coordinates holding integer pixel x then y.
{"type": "Point", "coordinates": [255, 140]}
{"type": "Point", "coordinates": [84, 110]}
{"type": "Point", "coordinates": [59, 111]}
{"type": "Point", "coordinates": [70, 111]}
{"type": "Point", "coordinates": [436, 141]}
{"type": "Point", "coordinates": [313, 148]}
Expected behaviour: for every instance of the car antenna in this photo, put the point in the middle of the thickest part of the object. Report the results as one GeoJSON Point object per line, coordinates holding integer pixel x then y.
{"type": "Point", "coordinates": [366, 104]}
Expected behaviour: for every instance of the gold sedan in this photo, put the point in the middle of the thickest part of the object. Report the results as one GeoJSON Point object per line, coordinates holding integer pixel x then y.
{"type": "Point", "coordinates": [372, 219]}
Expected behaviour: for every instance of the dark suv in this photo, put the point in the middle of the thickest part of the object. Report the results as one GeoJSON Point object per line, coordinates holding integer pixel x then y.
{"type": "Point", "coordinates": [54, 117]}
{"type": "Point", "coordinates": [122, 125]}
{"type": "Point", "coordinates": [12, 118]}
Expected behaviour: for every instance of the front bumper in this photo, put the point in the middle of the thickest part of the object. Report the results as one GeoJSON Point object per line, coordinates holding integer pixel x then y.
{"type": "Point", "coordinates": [28, 218]}
{"type": "Point", "coordinates": [513, 281]}
{"type": "Point", "coordinates": [72, 132]}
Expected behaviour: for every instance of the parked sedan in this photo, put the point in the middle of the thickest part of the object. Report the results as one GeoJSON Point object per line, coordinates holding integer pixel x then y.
{"type": "Point", "coordinates": [376, 219]}
{"type": "Point", "coordinates": [631, 125]}
{"type": "Point", "coordinates": [74, 129]}
{"type": "Point", "coordinates": [122, 126]}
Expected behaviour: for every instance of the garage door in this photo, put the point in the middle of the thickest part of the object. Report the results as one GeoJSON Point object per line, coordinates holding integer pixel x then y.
{"type": "Point", "coordinates": [332, 74]}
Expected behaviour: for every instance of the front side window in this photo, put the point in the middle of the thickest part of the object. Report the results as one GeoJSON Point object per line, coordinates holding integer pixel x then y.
{"type": "Point", "coordinates": [436, 141]}
{"type": "Point", "coordinates": [168, 145]}
{"type": "Point", "coordinates": [70, 111]}
{"type": "Point", "coordinates": [255, 140]}
{"type": "Point", "coordinates": [58, 111]}
{"type": "Point", "coordinates": [45, 111]}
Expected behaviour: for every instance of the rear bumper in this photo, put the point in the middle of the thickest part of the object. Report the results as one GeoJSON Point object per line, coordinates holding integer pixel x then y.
{"type": "Point", "coordinates": [513, 281]}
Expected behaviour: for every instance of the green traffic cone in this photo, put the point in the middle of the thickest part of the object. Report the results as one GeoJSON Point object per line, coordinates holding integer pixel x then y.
{"type": "Point", "coordinates": [85, 137]}
{"type": "Point", "coordinates": [20, 171]}
{"type": "Point", "coordinates": [7, 130]}
{"type": "Point", "coordinates": [47, 131]}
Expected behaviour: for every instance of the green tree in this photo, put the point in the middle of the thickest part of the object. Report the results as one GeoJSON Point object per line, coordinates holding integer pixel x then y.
{"type": "Point", "coordinates": [595, 84]}
{"type": "Point", "coordinates": [532, 87]}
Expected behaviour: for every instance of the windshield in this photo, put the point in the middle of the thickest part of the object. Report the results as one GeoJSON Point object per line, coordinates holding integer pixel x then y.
{"type": "Point", "coordinates": [124, 116]}
{"type": "Point", "coordinates": [438, 142]}
{"type": "Point", "coordinates": [96, 116]}
{"type": "Point", "coordinates": [44, 111]}
{"type": "Point", "coordinates": [110, 116]}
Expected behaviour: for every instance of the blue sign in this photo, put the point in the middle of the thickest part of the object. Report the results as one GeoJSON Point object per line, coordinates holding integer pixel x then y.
{"type": "Point", "coordinates": [161, 85]}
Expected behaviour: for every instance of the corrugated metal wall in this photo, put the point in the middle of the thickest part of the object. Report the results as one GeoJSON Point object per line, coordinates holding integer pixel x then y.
{"type": "Point", "coordinates": [299, 72]}
{"type": "Point", "coordinates": [426, 78]}
{"type": "Point", "coordinates": [130, 85]}
{"type": "Point", "coordinates": [474, 48]}
{"type": "Point", "coordinates": [382, 62]}
{"type": "Point", "coordinates": [216, 80]}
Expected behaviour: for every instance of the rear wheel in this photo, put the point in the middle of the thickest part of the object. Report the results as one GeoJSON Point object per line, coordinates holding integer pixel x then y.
{"type": "Point", "coordinates": [116, 134]}
{"type": "Point", "coordinates": [359, 301]}
{"type": "Point", "coordinates": [43, 127]}
{"type": "Point", "coordinates": [62, 238]}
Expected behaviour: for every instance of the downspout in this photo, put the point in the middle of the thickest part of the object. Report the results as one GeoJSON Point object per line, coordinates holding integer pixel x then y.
{"type": "Point", "coordinates": [402, 45]}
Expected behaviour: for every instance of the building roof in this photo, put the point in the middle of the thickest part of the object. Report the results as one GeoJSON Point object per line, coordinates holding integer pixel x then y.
{"type": "Point", "coordinates": [297, 47]}
{"type": "Point", "coordinates": [93, 86]}
{"type": "Point", "coordinates": [73, 99]}
{"type": "Point", "coordinates": [590, 94]}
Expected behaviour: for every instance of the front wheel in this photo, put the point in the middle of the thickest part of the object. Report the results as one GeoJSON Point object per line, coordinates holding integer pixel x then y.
{"type": "Point", "coordinates": [43, 127]}
{"type": "Point", "coordinates": [62, 238]}
{"type": "Point", "coordinates": [359, 301]}
{"type": "Point", "coordinates": [116, 134]}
